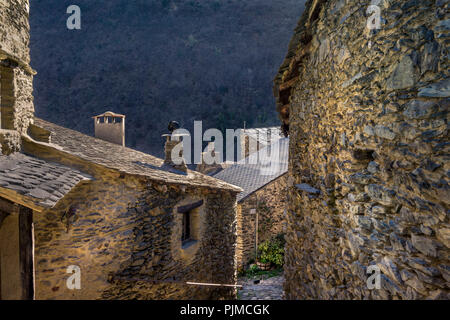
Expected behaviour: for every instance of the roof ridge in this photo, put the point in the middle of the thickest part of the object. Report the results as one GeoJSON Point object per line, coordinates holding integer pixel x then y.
{"type": "Point", "coordinates": [253, 176]}
{"type": "Point", "coordinates": [125, 159]}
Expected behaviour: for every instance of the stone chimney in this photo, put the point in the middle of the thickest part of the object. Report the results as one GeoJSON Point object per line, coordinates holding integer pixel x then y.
{"type": "Point", "coordinates": [209, 169]}
{"type": "Point", "coordinates": [172, 157]}
{"type": "Point", "coordinates": [110, 127]}
{"type": "Point", "coordinates": [174, 160]}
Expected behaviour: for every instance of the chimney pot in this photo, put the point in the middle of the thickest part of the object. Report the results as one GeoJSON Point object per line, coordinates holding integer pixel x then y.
{"type": "Point", "coordinates": [110, 127]}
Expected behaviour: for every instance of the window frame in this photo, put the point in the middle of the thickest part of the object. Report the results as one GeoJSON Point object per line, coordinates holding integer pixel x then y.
{"type": "Point", "coordinates": [188, 233]}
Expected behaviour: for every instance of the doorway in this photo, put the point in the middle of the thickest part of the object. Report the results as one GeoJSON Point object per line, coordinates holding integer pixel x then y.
{"type": "Point", "coordinates": [16, 252]}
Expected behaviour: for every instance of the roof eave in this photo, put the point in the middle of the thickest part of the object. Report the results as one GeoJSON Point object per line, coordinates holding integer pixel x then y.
{"type": "Point", "coordinates": [30, 144]}
{"type": "Point", "coordinates": [23, 200]}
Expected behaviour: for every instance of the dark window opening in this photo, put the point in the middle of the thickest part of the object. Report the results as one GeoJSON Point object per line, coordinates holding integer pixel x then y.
{"type": "Point", "coordinates": [189, 227]}
{"type": "Point", "coordinates": [6, 97]}
{"type": "Point", "coordinates": [186, 231]}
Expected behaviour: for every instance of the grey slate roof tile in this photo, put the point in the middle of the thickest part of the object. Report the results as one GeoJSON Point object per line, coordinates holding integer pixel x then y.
{"type": "Point", "coordinates": [37, 178]}
{"type": "Point", "coordinates": [125, 159]}
{"type": "Point", "coordinates": [259, 169]}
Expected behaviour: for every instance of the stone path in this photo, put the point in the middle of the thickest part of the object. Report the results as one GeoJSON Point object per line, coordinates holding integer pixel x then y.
{"type": "Point", "coordinates": [267, 289]}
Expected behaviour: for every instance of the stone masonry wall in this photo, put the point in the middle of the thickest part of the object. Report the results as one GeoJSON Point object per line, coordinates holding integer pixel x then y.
{"type": "Point", "coordinates": [16, 76]}
{"type": "Point", "coordinates": [270, 203]}
{"type": "Point", "coordinates": [367, 113]}
{"type": "Point", "coordinates": [23, 104]}
{"type": "Point", "coordinates": [16, 104]}
{"type": "Point", "coordinates": [15, 28]}
{"type": "Point", "coordinates": [125, 229]}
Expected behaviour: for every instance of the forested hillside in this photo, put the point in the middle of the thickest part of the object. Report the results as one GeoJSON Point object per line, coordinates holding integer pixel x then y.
{"type": "Point", "coordinates": [160, 60]}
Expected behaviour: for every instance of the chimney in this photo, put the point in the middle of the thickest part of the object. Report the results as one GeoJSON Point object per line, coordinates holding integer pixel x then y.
{"type": "Point", "coordinates": [209, 169]}
{"type": "Point", "coordinates": [110, 127]}
{"type": "Point", "coordinates": [173, 141]}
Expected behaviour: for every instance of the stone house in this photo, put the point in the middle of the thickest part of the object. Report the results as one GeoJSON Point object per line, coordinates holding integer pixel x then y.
{"type": "Point", "coordinates": [134, 226]}
{"type": "Point", "coordinates": [249, 141]}
{"type": "Point", "coordinates": [366, 110]}
{"type": "Point", "coordinates": [254, 139]}
{"type": "Point", "coordinates": [261, 206]}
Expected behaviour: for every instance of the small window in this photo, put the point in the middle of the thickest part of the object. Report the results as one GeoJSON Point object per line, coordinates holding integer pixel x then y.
{"type": "Point", "coordinates": [110, 119]}
{"type": "Point", "coordinates": [117, 120]}
{"type": "Point", "coordinates": [186, 228]}
{"type": "Point", "coordinates": [189, 223]}
{"type": "Point", "coordinates": [6, 97]}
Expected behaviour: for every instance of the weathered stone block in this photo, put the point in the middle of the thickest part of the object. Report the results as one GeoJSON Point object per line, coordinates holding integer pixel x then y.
{"type": "Point", "coordinates": [443, 234]}
{"type": "Point", "coordinates": [380, 194]}
{"type": "Point", "coordinates": [307, 188]}
{"type": "Point", "coordinates": [404, 75]}
{"type": "Point", "coordinates": [440, 89]}
{"type": "Point", "coordinates": [417, 109]}
{"type": "Point", "coordinates": [360, 178]}
{"type": "Point", "coordinates": [363, 222]}
{"type": "Point", "coordinates": [425, 245]}
{"type": "Point", "coordinates": [430, 57]}
{"type": "Point", "coordinates": [384, 132]}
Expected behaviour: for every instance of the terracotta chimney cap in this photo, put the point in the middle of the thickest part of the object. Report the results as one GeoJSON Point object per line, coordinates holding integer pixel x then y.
{"type": "Point", "coordinates": [109, 114]}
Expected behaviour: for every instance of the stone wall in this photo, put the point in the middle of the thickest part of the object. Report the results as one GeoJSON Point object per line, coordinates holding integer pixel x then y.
{"type": "Point", "coordinates": [16, 103]}
{"type": "Point", "coordinates": [15, 29]}
{"type": "Point", "coordinates": [16, 76]}
{"type": "Point", "coordinates": [23, 104]}
{"type": "Point", "coordinates": [367, 113]}
{"type": "Point", "coordinates": [270, 203]}
{"type": "Point", "coordinates": [120, 229]}
{"type": "Point", "coordinates": [9, 141]}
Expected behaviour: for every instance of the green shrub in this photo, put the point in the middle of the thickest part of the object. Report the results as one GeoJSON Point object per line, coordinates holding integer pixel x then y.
{"type": "Point", "coordinates": [253, 270]}
{"type": "Point", "coordinates": [272, 251]}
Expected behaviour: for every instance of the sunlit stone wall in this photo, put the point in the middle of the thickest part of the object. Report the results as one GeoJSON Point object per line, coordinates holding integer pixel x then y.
{"type": "Point", "coordinates": [125, 235]}
{"type": "Point", "coordinates": [367, 114]}
{"type": "Point", "coordinates": [16, 76]}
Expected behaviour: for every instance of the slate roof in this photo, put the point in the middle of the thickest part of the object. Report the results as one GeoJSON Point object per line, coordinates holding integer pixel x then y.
{"type": "Point", "coordinates": [44, 182]}
{"type": "Point", "coordinates": [125, 159]}
{"type": "Point", "coordinates": [259, 169]}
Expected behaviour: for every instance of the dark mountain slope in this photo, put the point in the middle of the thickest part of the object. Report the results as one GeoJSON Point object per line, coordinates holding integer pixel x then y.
{"type": "Point", "coordinates": [159, 60]}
